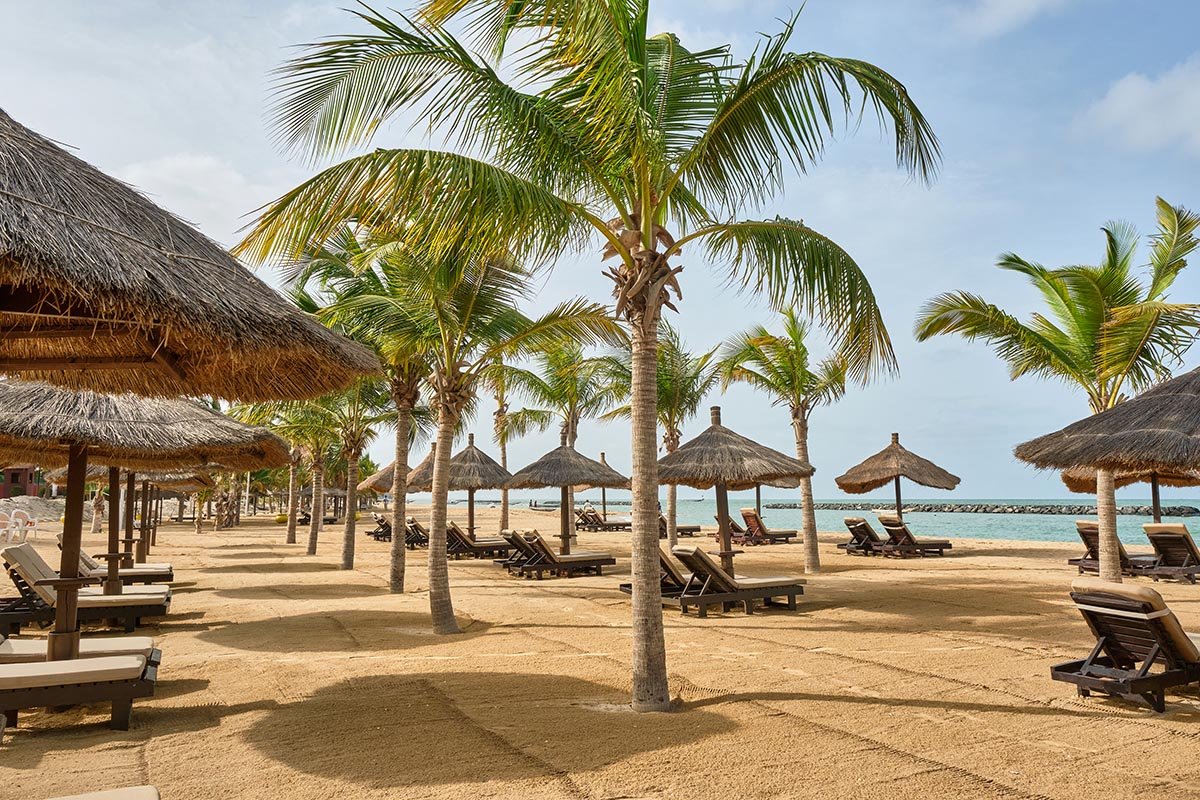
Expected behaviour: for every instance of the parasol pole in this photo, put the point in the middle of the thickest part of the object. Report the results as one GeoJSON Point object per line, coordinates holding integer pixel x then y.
{"type": "Point", "coordinates": [63, 643]}
{"type": "Point", "coordinates": [564, 521]}
{"type": "Point", "coordinates": [112, 585]}
{"type": "Point", "coordinates": [143, 543]}
{"type": "Point", "coordinates": [899, 505]}
{"type": "Point", "coordinates": [1155, 500]}
{"type": "Point", "coordinates": [128, 539]}
{"type": "Point", "coordinates": [603, 493]}
{"type": "Point", "coordinates": [758, 499]}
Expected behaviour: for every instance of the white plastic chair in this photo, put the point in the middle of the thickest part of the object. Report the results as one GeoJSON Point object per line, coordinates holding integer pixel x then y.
{"type": "Point", "coordinates": [18, 526]}
{"type": "Point", "coordinates": [5, 530]}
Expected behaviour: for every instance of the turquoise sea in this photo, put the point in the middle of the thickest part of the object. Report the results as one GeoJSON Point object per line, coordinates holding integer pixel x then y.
{"type": "Point", "coordinates": [1035, 527]}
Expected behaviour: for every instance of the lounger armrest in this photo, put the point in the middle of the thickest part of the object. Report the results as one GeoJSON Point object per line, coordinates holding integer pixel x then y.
{"type": "Point", "coordinates": [128, 539]}
{"type": "Point", "coordinates": [109, 556]}
{"type": "Point", "coordinates": [65, 583]}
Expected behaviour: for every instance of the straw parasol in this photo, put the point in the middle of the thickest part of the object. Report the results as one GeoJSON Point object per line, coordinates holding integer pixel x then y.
{"type": "Point", "coordinates": [891, 464]}
{"type": "Point", "coordinates": [471, 469]}
{"type": "Point", "coordinates": [564, 467]}
{"type": "Point", "coordinates": [420, 477]}
{"type": "Point", "coordinates": [101, 289]}
{"type": "Point", "coordinates": [721, 459]}
{"type": "Point", "coordinates": [1082, 480]}
{"type": "Point", "coordinates": [177, 480]}
{"type": "Point", "coordinates": [57, 424]}
{"type": "Point", "coordinates": [380, 482]}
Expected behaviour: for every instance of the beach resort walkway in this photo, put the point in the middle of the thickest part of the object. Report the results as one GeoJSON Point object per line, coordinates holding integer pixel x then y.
{"type": "Point", "coordinates": [284, 677]}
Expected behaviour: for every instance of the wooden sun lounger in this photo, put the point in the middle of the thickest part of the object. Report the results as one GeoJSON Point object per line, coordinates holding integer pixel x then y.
{"type": "Point", "coordinates": [1175, 552]}
{"type": "Point", "coordinates": [1141, 649]}
{"type": "Point", "coordinates": [709, 585]}
{"type": "Point", "coordinates": [546, 560]}
{"type": "Point", "coordinates": [33, 579]}
{"type": "Point", "coordinates": [590, 520]}
{"type": "Point", "coordinates": [458, 543]}
{"type": "Point", "coordinates": [863, 538]}
{"type": "Point", "coordinates": [671, 580]}
{"type": "Point", "coordinates": [29, 651]}
{"type": "Point", "coordinates": [415, 534]}
{"type": "Point", "coordinates": [110, 679]}
{"type": "Point", "coordinates": [758, 533]}
{"type": "Point", "coordinates": [146, 573]}
{"type": "Point", "coordinates": [520, 551]}
{"type": "Point", "coordinates": [382, 532]}
{"type": "Point", "coordinates": [680, 530]}
{"type": "Point", "coordinates": [902, 543]}
{"type": "Point", "coordinates": [127, 793]}
{"type": "Point", "coordinates": [1089, 562]}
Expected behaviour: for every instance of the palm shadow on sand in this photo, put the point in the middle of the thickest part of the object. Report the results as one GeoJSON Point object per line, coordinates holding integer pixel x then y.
{"type": "Point", "coordinates": [303, 591]}
{"type": "Point", "coordinates": [284, 566]}
{"type": "Point", "coordinates": [467, 728]}
{"type": "Point", "coordinates": [334, 632]}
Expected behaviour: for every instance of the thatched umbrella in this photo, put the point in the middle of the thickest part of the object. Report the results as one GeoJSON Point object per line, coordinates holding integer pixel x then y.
{"type": "Point", "coordinates": [564, 467]}
{"type": "Point", "coordinates": [1082, 480]}
{"type": "Point", "coordinates": [891, 464]}
{"type": "Point", "coordinates": [186, 481]}
{"type": "Point", "coordinates": [1157, 431]}
{"type": "Point", "coordinates": [420, 477]}
{"type": "Point", "coordinates": [101, 289]}
{"type": "Point", "coordinates": [471, 469]}
{"type": "Point", "coordinates": [721, 459]}
{"type": "Point", "coordinates": [380, 482]}
{"type": "Point", "coordinates": [52, 424]}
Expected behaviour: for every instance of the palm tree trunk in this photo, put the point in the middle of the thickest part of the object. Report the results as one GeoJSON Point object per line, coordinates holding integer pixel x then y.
{"type": "Point", "coordinates": [399, 498]}
{"type": "Point", "coordinates": [572, 531]}
{"type": "Point", "coordinates": [318, 506]}
{"type": "Point", "coordinates": [293, 496]}
{"type": "Point", "coordinates": [97, 510]}
{"type": "Point", "coordinates": [812, 550]}
{"type": "Point", "coordinates": [502, 443]}
{"type": "Point", "coordinates": [441, 609]}
{"type": "Point", "coordinates": [351, 508]}
{"type": "Point", "coordinates": [650, 689]}
{"type": "Point", "coordinates": [1106, 511]}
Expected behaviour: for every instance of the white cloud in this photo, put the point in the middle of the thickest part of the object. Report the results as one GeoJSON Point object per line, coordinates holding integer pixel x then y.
{"type": "Point", "coordinates": [984, 19]}
{"type": "Point", "coordinates": [1144, 113]}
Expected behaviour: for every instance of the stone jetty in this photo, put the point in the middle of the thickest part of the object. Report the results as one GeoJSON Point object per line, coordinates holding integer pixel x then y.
{"type": "Point", "coordinates": [1076, 510]}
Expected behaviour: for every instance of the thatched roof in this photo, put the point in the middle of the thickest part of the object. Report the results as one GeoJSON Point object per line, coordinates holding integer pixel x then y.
{"type": "Point", "coordinates": [175, 480]}
{"type": "Point", "coordinates": [1158, 431]}
{"type": "Point", "coordinates": [564, 466]}
{"type": "Point", "coordinates": [380, 482]}
{"type": "Point", "coordinates": [1082, 480]}
{"type": "Point", "coordinates": [92, 274]}
{"type": "Point", "coordinates": [720, 455]}
{"type": "Point", "coordinates": [40, 421]}
{"type": "Point", "coordinates": [420, 477]}
{"type": "Point", "coordinates": [892, 462]}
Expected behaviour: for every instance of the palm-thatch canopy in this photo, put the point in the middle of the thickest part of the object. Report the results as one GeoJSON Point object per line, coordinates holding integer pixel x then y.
{"type": "Point", "coordinates": [471, 469]}
{"type": "Point", "coordinates": [891, 463]}
{"type": "Point", "coordinates": [564, 466]}
{"type": "Point", "coordinates": [420, 477]}
{"type": "Point", "coordinates": [180, 480]}
{"type": "Point", "coordinates": [101, 289]}
{"type": "Point", "coordinates": [718, 455]}
{"type": "Point", "coordinates": [1082, 480]}
{"type": "Point", "coordinates": [1157, 431]}
{"type": "Point", "coordinates": [380, 482]}
{"type": "Point", "coordinates": [39, 421]}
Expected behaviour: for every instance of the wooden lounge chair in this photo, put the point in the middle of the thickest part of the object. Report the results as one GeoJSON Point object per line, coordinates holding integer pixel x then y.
{"type": "Point", "coordinates": [1141, 649]}
{"type": "Point", "coordinates": [33, 579]}
{"type": "Point", "coordinates": [459, 543]}
{"type": "Point", "coordinates": [546, 560]}
{"type": "Point", "coordinates": [28, 651]}
{"type": "Point", "coordinates": [127, 793]}
{"type": "Point", "coordinates": [382, 532]}
{"type": "Point", "coordinates": [758, 533]}
{"type": "Point", "coordinates": [902, 543]}
{"type": "Point", "coordinates": [415, 534]}
{"type": "Point", "coordinates": [680, 530]}
{"type": "Point", "coordinates": [520, 554]}
{"type": "Point", "coordinates": [589, 519]}
{"type": "Point", "coordinates": [145, 573]}
{"type": "Point", "coordinates": [1175, 552]}
{"type": "Point", "coordinates": [1089, 562]}
{"type": "Point", "coordinates": [863, 538]}
{"type": "Point", "coordinates": [671, 580]}
{"type": "Point", "coordinates": [709, 585]}
{"type": "Point", "coordinates": [111, 679]}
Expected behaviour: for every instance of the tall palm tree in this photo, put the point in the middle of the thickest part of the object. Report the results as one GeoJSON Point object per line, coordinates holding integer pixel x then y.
{"type": "Point", "coordinates": [569, 388]}
{"type": "Point", "coordinates": [508, 425]}
{"type": "Point", "coordinates": [683, 381]}
{"type": "Point", "coordinates": [463, 313]}
{"type": "Point", "coordinates": [273, 415]}
{"type": "Point", "coordinates": [1104, 330]}
{"type": "Point", "coordinates": [614, 135]}
{"type": "Point", "coordinates": [781, 366]}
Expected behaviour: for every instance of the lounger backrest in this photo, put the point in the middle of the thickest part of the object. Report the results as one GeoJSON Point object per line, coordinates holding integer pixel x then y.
{"type": "Point", "coordinates": [32, 568]}
{"type": "Point", "coordinates": [517, 539]}
{"type": "Point", "coordinates": [1089, 532]}
{"type": "Point", "coordinates": [454, 535]}
{"type": "Point", "coordinates": [541, 547]}
{"type": "Point", "coordinates": [466, 537]}
{"type": "Point", "coordinates": [1132, 620]}
{"type": "Point", "coordinates": [861, 530]}
{"type": "Point", "coordinates": [754, 523]}
{"type": "Point", "coordinates": [671, 576]}
{"type": "Point", "coordinates": [897, 531]}
{"type": "Point", "coordinates": [733, 526]}
{"type": "Point", "coordinates": [418, 526]}
{"type": "Point", "coordinates": [1173, 544]}
{"type": "Point", "coordinates": [704, 568]}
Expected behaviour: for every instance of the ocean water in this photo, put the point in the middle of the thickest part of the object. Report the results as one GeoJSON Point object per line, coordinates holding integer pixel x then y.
{"type": "Point", "coordinates": [942, 525]}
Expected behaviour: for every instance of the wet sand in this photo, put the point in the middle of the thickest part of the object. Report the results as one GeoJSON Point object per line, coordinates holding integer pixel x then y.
{"type": "Point", "coordinates": [286, 677]}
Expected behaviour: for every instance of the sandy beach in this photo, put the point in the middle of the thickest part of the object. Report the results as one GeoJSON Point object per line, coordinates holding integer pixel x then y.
{"type": "Point", "coordinates": [285, 677]}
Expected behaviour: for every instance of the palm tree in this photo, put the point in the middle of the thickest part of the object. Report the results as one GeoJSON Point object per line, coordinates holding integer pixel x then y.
{"type": "Point", "coordinates": [462, 312]}
{"type": "Point", "coordinates": [683, 381]}
{"type": "Point", "coordinates": [618, 136]}
{"type": "Point", "coordinates": [508, 425]}
{"type": "Point", "coordinates": [1104, 330]}
{"type": "Point", "coordinates": [273, 416]}
{"type": "Point", "coordinates": [569, 387]}
{"type": "Point", "coordinates": [781, 366]}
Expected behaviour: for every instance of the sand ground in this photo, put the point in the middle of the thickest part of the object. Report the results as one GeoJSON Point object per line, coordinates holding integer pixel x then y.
{"type": "Point", "coordinates": [285, 677]}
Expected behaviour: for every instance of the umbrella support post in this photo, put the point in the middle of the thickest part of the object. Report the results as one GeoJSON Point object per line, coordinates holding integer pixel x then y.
{"type": "Point", "coordinates": [471, 513]}
{"type": "Point", "coordinates": [564, 522]}
{"type": "Point", "coordinates": [143, 542]}
{"type": "Point", "coordinates": [63, 643]}
{"type": "Point", "coordinates": [112, 582]}
{"type": "Point", "coordinates": [1155, 499]}
{"type": "Point", "coordinates": [723, 532]}
{"type": "Point", "coordinates": [127, 560]}
{"type": "Point", "coordinates": [899, 504]}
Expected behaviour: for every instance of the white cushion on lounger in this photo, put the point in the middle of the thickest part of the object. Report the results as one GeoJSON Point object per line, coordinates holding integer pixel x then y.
{"type": "Point", "coordinates": [115, 600]}
{"type": "Point", "coordinates": [1187, 645]}
{"type": "Point", "coordinates": [131, 793]}
{"type": "Point", "coordinates": [148, 567]}
{"type": "Point", "coordinates": [28, 651]}
{"type": "Point", "coordinates": [161, 592]}
{"type": "Point", "coordinates": [65, 673]}
{"type": "Point", "coordinates": [768, 583]}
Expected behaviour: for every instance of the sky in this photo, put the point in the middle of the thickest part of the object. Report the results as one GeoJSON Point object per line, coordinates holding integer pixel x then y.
{"type": "Point", "coordinates": [1054, 116]}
